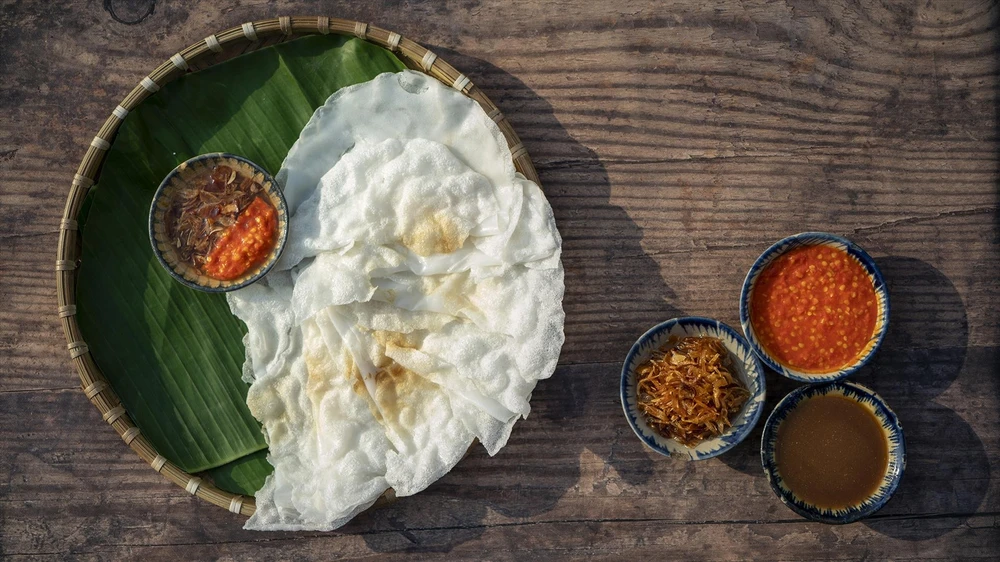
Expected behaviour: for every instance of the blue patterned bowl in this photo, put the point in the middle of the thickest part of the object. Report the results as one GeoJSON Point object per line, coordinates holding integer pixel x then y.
{"type": "Point", "coordinates": [162, 246]}
{"type": "Point", "coordinates": [814, 239]}
{"type": "Point", "coordinates": [890, 425]}
{"type": "Point", "coordinates": [748, 370]}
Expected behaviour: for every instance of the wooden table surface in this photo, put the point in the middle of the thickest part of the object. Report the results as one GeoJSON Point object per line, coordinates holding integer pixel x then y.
{"type": "Point", "coordinates": [675, 140]}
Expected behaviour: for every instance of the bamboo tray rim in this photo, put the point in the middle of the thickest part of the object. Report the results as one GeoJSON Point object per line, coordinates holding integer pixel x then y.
{"type": "Point", "coordinates": [94, 385]}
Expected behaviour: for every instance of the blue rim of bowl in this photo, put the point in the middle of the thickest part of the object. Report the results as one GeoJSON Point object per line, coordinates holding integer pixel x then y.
{"type": "Point", "coordinates": [274, 190]}
{"type": "Point", "coordinates": [813, 239]}
{"type": "Point", "coordinates": [890, 425]}
{"type": "Point", "coordinates": [753, 378]}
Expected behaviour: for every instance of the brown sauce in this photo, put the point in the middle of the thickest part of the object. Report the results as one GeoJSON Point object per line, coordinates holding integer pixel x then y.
{"type": "Point", "coordinates": [831, 451]}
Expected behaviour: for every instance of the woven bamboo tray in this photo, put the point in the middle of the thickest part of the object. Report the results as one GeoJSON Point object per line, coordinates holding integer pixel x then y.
{"type": "Point", "coordinates": [212, 50]}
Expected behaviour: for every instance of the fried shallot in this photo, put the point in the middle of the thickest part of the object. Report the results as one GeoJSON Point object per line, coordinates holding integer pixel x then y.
{"type": "Point", "coordinates": [687, 390]}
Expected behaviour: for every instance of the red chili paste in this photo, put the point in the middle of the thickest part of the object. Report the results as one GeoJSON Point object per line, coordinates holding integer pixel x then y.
{"type": "Point", "coordinates": [245, 244]}
{"type": "Point", "coordinates": [813, 309]}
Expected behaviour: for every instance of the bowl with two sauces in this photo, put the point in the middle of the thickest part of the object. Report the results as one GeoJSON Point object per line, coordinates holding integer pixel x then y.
{"type": "Point", "coordinates": [218, 222]}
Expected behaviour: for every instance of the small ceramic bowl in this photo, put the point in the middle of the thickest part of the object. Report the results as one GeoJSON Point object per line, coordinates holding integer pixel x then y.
{"type": "Point", "coordinates": [893, 433]}
{"type": "Point", "coordinates": [859, 255]}
{"type": "Point", "coordinates": [748, 370]}
{"type": "Point", "coordinates": [177, 178]}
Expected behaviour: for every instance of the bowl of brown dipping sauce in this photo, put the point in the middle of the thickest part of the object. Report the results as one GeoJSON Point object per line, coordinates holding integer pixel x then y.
{"type": "Point", "coordinates": [218, 222]}
{"type": "Point", "coordinates": [833, 453]}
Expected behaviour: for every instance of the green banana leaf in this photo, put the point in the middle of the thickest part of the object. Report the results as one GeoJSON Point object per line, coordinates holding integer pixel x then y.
{"type": "Point", "coordinates": [244, 475]}
{"type": "Point", "coordinates": [174, 355]}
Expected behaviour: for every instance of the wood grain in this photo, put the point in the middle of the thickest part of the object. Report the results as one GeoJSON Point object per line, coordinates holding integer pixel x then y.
{"type": "Point", "coordinates": [675, 141]}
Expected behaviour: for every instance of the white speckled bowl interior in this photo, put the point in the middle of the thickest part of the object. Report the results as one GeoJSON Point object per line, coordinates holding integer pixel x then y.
{"type": "Point", "coordinates": [748, 369]}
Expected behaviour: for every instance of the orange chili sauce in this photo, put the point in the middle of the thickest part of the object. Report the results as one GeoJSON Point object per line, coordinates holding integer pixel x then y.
{"type": "Point", "coordinates": [813, 309]}
{"type": "Point", "coordinates": [245, 244]}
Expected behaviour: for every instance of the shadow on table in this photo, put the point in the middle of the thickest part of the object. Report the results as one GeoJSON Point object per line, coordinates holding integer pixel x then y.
{"type": "Point", "coordinates": [564, 404]}
{"type": "Point", "coordinates": [925, 350]}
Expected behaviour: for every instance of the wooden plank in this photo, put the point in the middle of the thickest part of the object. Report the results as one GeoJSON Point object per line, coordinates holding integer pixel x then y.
{"type": "Point", "coordinates": [676, 140]}
{"type": "Point", "coordinates": [73, 486]}
{"type": "Point", "coordinates": [595, 540]}
{"type": "Point", "coordinates": [616, 288]}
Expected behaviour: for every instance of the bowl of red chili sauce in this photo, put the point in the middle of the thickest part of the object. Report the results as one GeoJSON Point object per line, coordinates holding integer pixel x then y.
{"type": "Point", "coordinates": [218, 222]}
{"type": "Point", "coordinates": [814, 307]}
